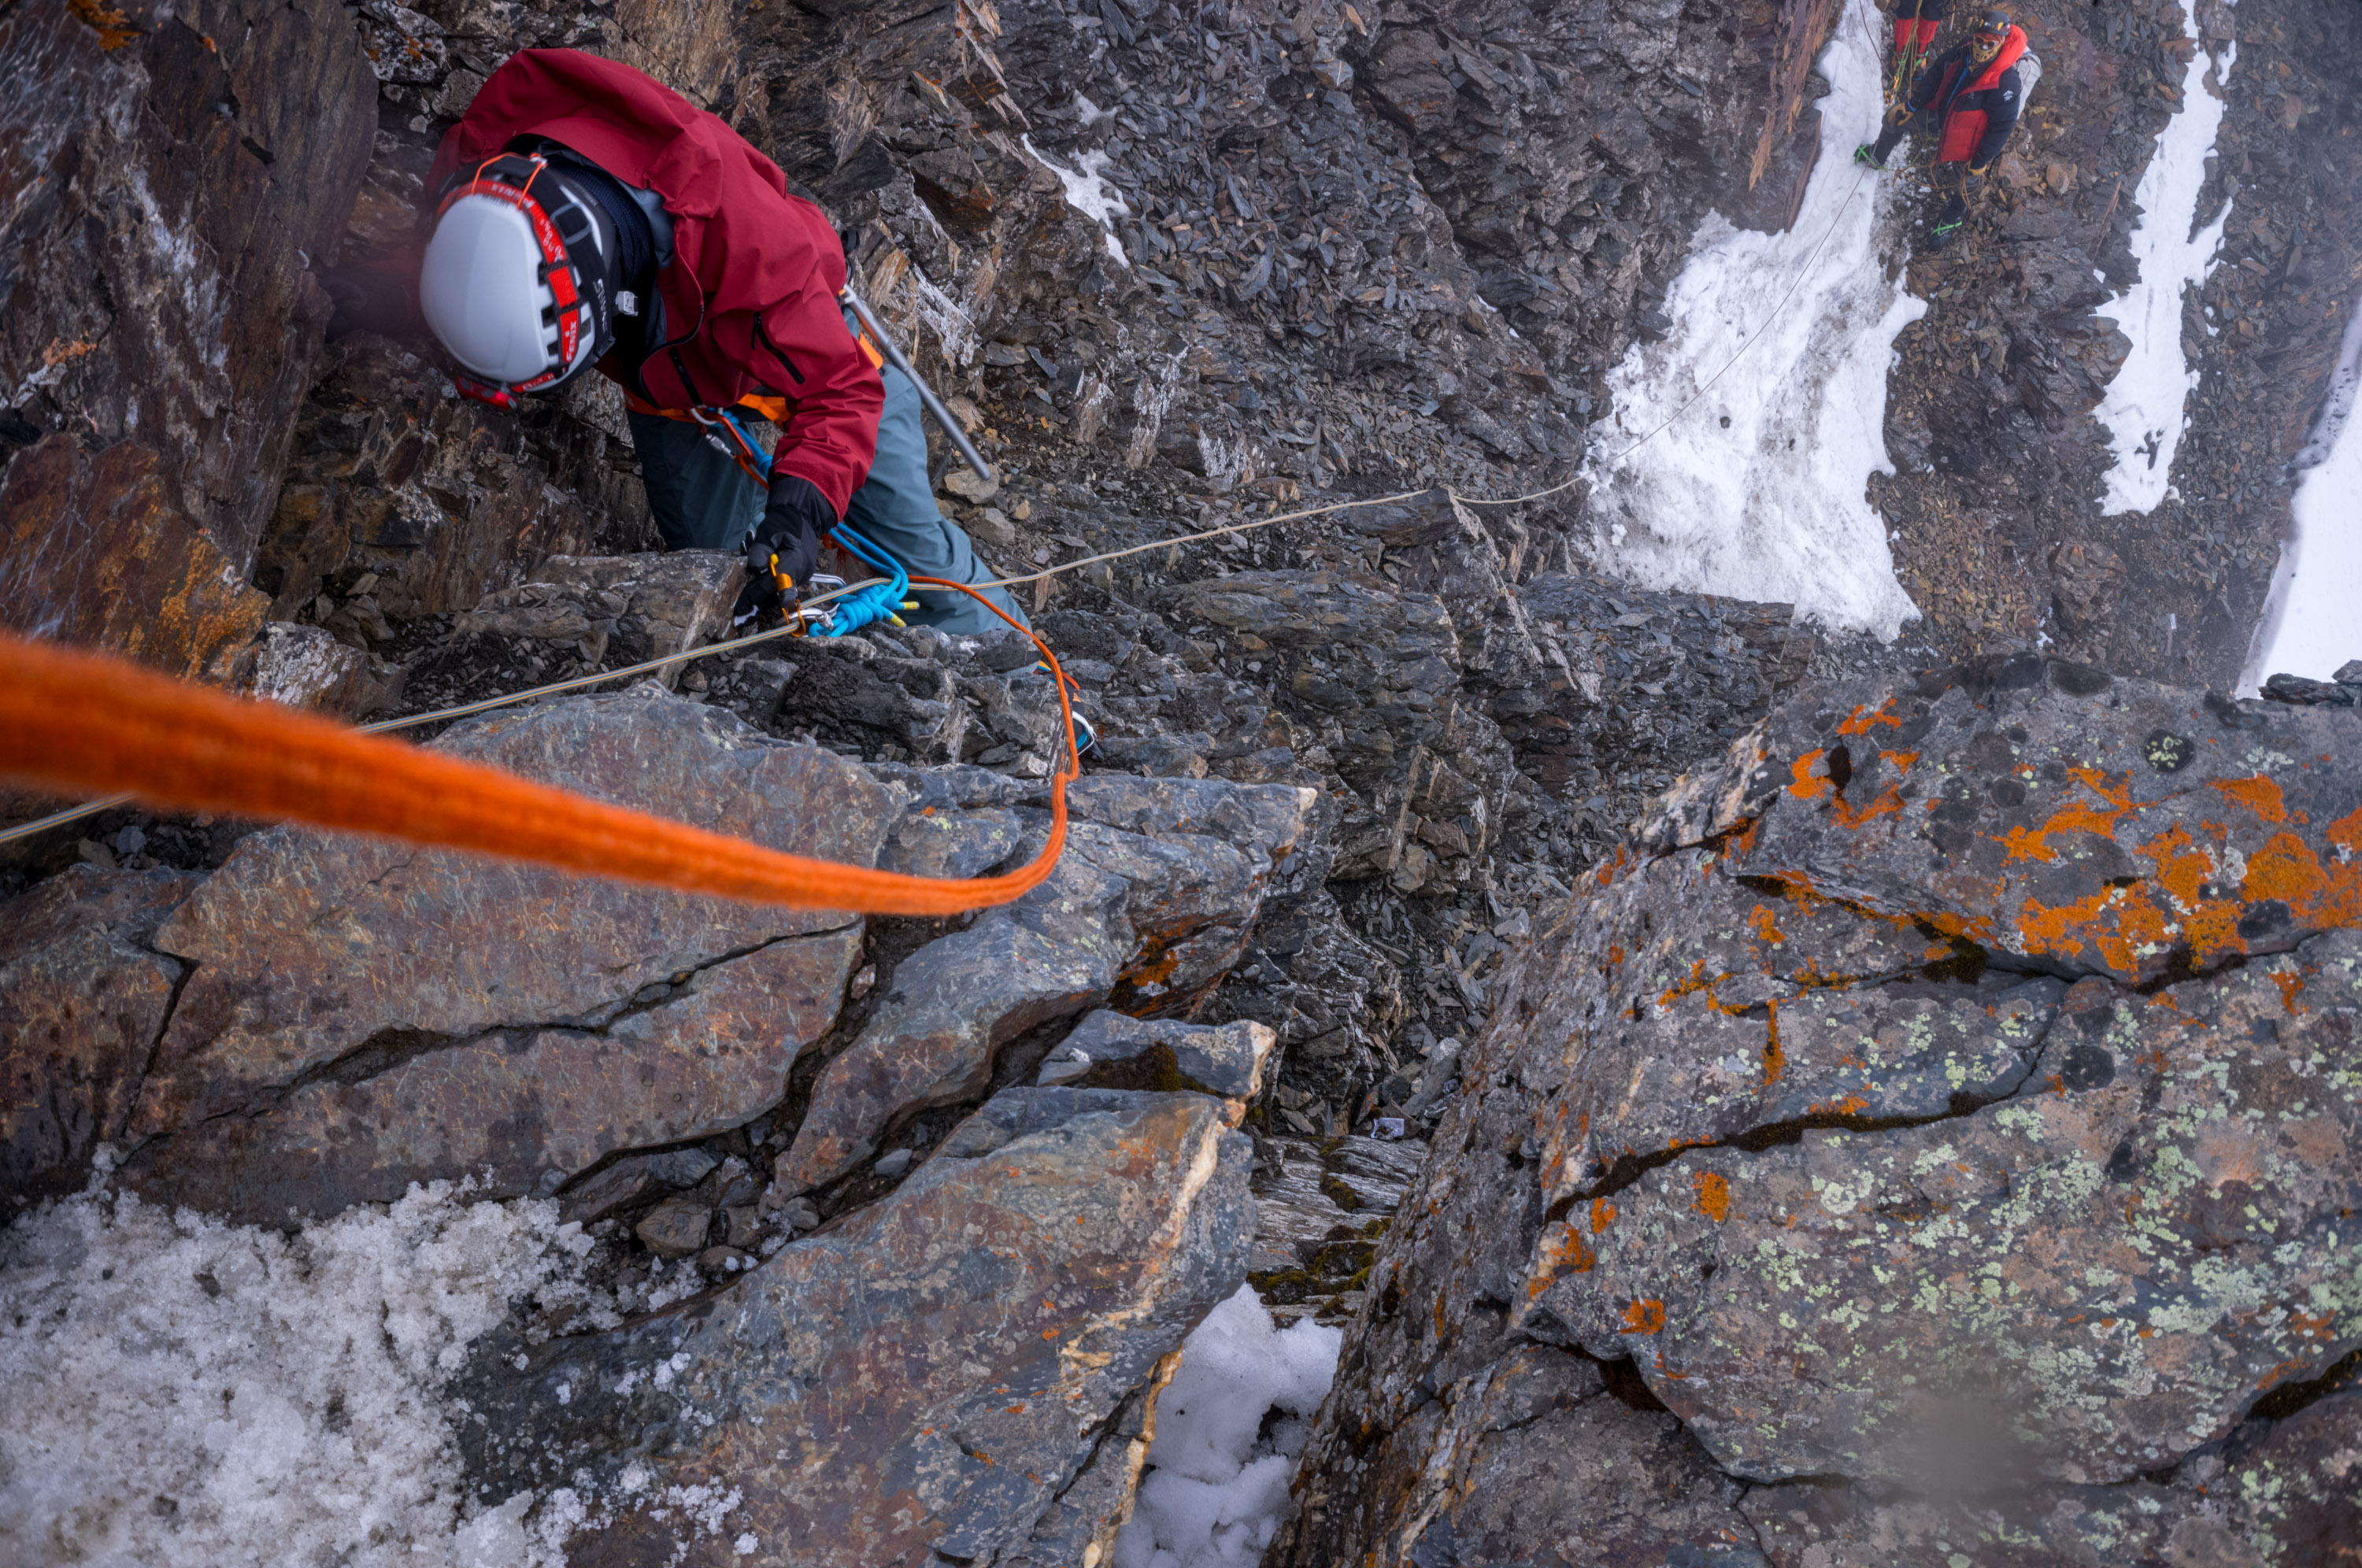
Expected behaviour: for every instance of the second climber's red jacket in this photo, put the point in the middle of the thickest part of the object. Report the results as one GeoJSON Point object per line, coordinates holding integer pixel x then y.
{"type": "Point", "coordinates": [1980, 104]}
{"type": "Point", "coordinates": [749, 303]}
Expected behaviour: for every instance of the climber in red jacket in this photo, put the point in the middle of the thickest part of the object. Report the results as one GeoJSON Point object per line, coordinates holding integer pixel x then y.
{"type": "Point", "coordinates": [1972, 94]}
{"type": "Point", "coordinates": [582, 213]}
{"type": "Point", "coordinates": [1916, 22]}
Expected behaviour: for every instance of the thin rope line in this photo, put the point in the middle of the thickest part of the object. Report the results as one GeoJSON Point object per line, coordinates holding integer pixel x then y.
{"type": "Point", "coordinates": [413, 721]}
{"type": "Point", "coordinates": [1217, 532]}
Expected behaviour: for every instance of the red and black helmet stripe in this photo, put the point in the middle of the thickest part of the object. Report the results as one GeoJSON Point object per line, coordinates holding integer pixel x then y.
{"type": "Point", "coordinates": [509, 178]}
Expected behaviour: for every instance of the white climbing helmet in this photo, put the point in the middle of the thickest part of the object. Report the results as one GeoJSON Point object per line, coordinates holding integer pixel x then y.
{"type": "Point", "coordinates": [516, 282]}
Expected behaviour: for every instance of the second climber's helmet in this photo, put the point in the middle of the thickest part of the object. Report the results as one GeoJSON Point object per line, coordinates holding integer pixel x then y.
{"type": "Point", "coordinates": [518, 280]}
{"type": "Point", "coordinates": [1992, 30]}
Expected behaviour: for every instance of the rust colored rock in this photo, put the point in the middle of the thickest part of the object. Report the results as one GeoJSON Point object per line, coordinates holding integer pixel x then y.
{"type": "Point", "coordinates": [177, 166]}
{"type": "Point", "coordinates": [96, 553]}
{"type": "Point", "coordinates": [1954, 1089]}
{"type": "Point", "coordinates": [1149, 920]}
{"type": "Point", "coordinates": [313, 946]}
{"type": "Point", "coordinates": [81, 1000]}
{"type": "Point", "coordinates": [928, 1374]}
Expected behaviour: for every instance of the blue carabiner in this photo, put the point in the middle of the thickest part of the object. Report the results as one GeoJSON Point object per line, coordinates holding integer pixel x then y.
{"type": "Point", "coordinates": [880, 601]}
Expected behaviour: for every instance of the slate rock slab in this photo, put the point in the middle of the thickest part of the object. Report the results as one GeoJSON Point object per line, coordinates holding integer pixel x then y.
{"type": "Point", "coordinates": [361, 1014]}
{"type": "Point", "coordinates": [518, 1110]}
{"type": "Point", "coordinates": [310, 945]}
{"type": "Point", "coordinates": [1224, 1060]}
{"type": "Point", "coordinates": [2084, 1282]}
{"type": "Point", "coordinates": [1151, 903]}
{"type": "Point", "coordinates": [926, 1374]}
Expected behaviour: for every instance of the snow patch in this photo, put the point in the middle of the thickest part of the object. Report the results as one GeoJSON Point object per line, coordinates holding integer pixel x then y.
{"type": "Point", "coordinates": [940, 313]}
{"type": "Point", "coordinates": [1757, 489]}
{"type": "Point", "coordinates": [1088, 190]}
{"type": "Point", "coordinates": [1151, 399]}
{"type": "Point", "coordinates": [1216, 1488]}
{"type": "Point", "coordinates": [182, 1391]}
{"type": "Point", "coordinates": [2309, 625]}
{"type": "Point", "coordinates": [2143, 411]}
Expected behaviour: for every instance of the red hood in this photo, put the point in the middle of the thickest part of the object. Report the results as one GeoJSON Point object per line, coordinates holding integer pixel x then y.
{"type": "Point", "coordinates": [2011, 48]}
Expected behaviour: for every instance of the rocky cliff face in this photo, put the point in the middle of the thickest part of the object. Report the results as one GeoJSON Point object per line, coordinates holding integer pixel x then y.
{"type": "Point", "coordinates": [1936, 1125]}
{"type": "Point", "coordinates": [325, 1021]}
{"type": "Point", "coordinates": [169, 181]}
{"type": "Point", "coordinates": [1853, 1121]}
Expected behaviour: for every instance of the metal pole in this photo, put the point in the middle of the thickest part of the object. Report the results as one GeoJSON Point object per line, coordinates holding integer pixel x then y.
{"type": "Point", "coordinates": [934, 405]}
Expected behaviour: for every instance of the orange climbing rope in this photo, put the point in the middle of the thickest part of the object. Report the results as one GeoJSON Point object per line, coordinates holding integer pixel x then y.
{"type": "Point", "coordinates": [84, 722]}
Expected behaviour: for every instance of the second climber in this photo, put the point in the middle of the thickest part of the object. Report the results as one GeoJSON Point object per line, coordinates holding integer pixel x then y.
{"type": "Point", "coordinates": [1970, 96]}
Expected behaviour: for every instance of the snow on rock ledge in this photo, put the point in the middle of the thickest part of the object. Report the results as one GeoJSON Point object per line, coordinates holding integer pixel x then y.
{"type": "Point", "coordinates": [185, 1393]}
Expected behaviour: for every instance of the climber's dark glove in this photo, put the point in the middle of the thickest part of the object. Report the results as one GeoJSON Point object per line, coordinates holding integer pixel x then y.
{"type": "Point", "coordinates": [783, 549]}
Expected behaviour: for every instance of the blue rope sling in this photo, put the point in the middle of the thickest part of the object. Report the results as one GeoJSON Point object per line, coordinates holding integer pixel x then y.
{"type": "Point", "coordinates": [865, 607]}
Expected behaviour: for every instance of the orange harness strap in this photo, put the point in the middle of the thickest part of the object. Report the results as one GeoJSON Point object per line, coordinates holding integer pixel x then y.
{"type": "Point", "coordinates": [92, 724]}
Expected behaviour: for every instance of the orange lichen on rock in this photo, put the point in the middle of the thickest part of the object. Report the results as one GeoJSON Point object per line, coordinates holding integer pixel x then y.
{"type": "Point", "coordinates": [2320, 896]}
{"type": "Point", "coordinates": [1713, 1195]}
{"type": "Point", "coordinates": [1890, 800]}
{"type": "Point", "coordinates": [2291, 986]}
{"type": "Point", "coordinates": [1775, 1061]}
{"type": "Point", "coordinates": [1809, 784]}
{"type": "Point", "coordinates": [1603, 1214]}
{"type": "Point", "coordinates": [114, 28]}
{"type": "Point", "coordinates": [2180, 909]}
{"type": "Point", "coordinates": [1863, 718]}
{"type": "Point", "coordinates": [2182, 864]}
{"type": "Point", "coordinates": [1643, 1317]}
{"type": "Point", "coordinates": [2259, 793]}
{"type": "Point", "coordinates": [2075, 816]}
{"type": "Point", "coordinates": [1760, 922]}
{"type": "Point", "coordinates": [1562, 1250]}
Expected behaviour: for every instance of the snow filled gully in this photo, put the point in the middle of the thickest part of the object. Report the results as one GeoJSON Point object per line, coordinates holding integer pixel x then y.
{"type": "Point", "coordinates": [2308, 623]}
{"type": "Point", "coordinates": [2144, 408]}
{"type": "Point", "coordinates": [1760, 489]}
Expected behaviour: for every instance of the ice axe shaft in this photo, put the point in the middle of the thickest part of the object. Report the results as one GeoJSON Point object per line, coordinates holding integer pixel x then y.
{"type": "Point", "coordinates": [934, 405]}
